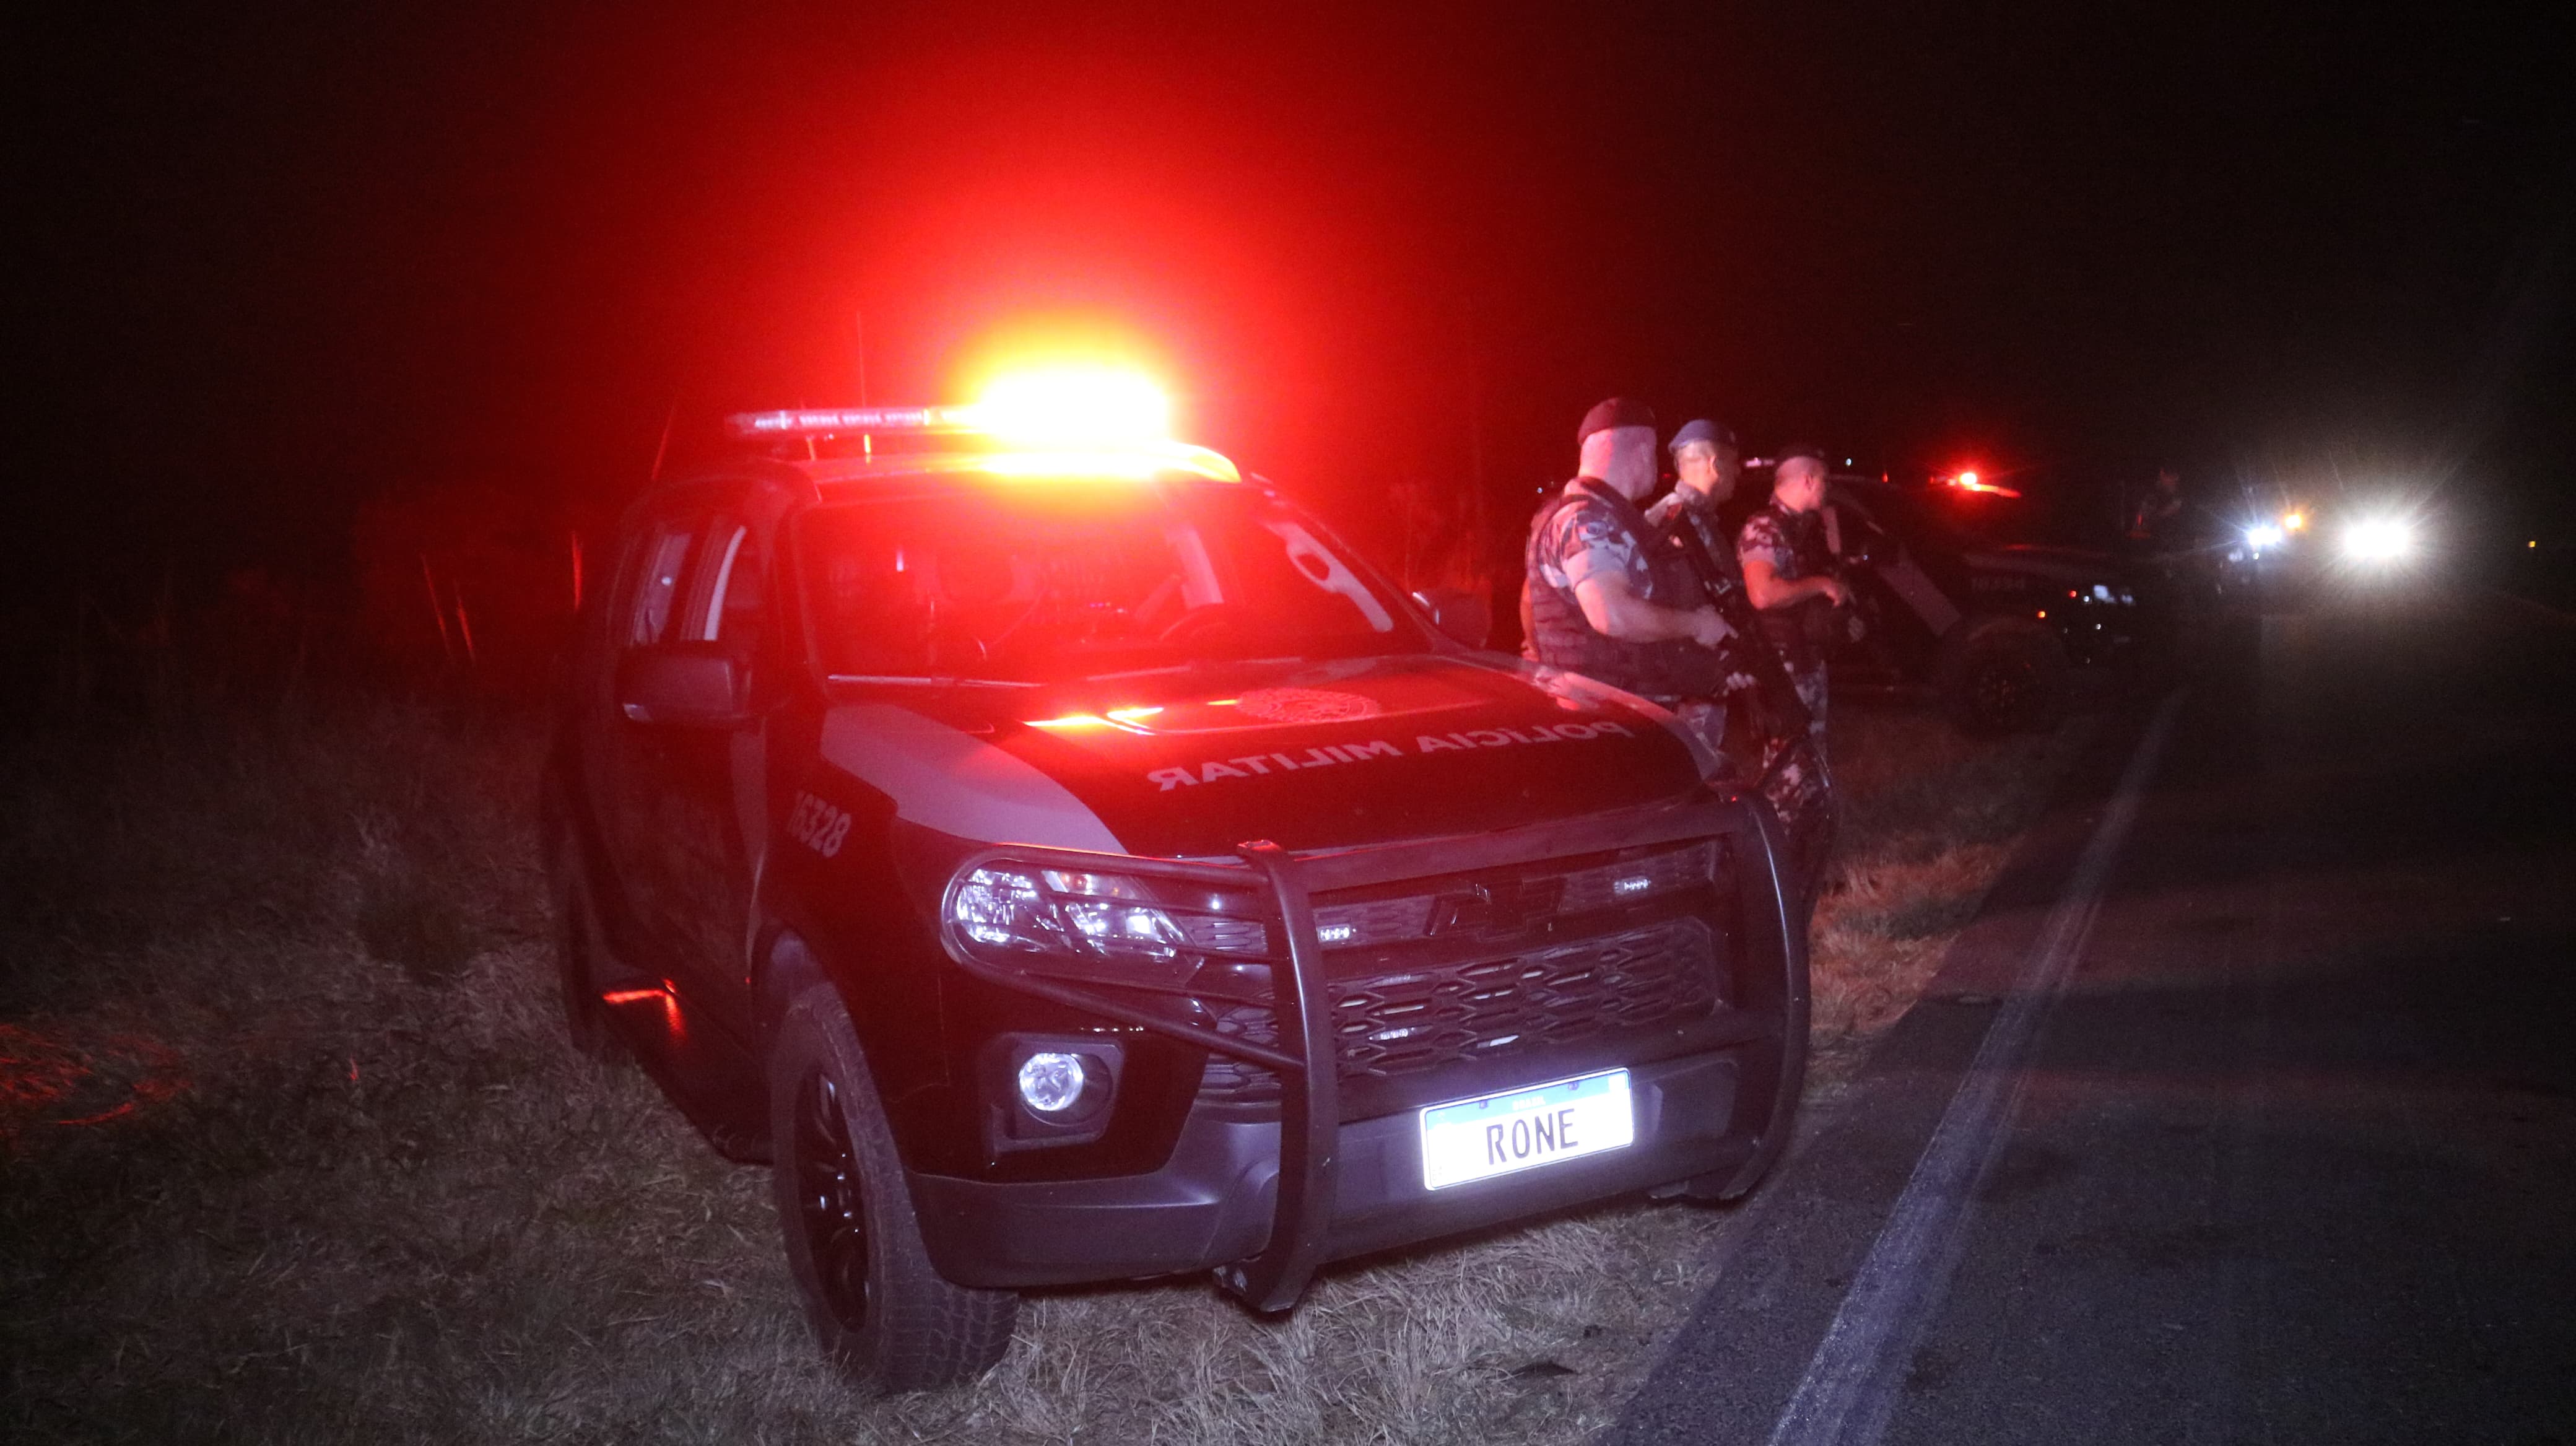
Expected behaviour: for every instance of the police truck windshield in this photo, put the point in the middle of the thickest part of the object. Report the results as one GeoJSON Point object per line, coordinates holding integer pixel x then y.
{"type": "Point", "coordinates": [1038, 581]}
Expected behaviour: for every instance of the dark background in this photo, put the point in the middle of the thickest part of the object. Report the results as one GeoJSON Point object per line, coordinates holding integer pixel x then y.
{"type": "Point", "coordinates": [271, 263]}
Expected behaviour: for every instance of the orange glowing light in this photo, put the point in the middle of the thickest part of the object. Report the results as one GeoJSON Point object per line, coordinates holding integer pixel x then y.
{"type": "Point", "coordinates": [629, 996]}
{"type": "Point", "coordinates": [1128, 720]}
{"type": "Point", "coordinates": [1071, 720]}
{"type": "Point", "coordinates": [1967, 479]}
{"type": "Point", "coordinates": [2295, 521]}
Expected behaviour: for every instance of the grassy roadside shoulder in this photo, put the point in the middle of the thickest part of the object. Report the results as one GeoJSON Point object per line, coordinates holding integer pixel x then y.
{"type": "Point", "coordinates": [290, 1146]}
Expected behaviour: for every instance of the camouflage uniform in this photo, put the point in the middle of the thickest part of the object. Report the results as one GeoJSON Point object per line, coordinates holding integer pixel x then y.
{"type": "Point", "coordinates": [1590, 531]}
{"type": "Point", "coordinates": [1585, 539]}
{"type": "Point", "coordinates": [1795, 779]}
{"type": "Point", "coordinates": [1691, 529]}
{"type": "Point", "coordinates": [1786, 541]}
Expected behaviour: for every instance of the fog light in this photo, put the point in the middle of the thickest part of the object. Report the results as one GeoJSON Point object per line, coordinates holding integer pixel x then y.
{"type": "Point", "coordinates": [1052, 1083]}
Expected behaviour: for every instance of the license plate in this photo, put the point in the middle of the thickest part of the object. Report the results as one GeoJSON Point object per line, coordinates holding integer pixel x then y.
{"type": "Point", "coordinates": [1525, 1128]}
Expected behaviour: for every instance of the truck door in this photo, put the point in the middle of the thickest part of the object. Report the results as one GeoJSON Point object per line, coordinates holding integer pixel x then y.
{"type": "Point", "coordinates": [621, 753]}
{"type": "Point", "coordinates": [696, 802]}
{"type": "Point", "coordinates": [713, 779]}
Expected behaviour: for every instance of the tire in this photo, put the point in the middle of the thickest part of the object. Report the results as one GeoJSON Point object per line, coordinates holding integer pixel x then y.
{"type": "Point", "coordinates": [880, 1311]}
{"type": "Point", "coordinates": [2006, 675]}
{"type": "Point", "coordinates": [581, 961]}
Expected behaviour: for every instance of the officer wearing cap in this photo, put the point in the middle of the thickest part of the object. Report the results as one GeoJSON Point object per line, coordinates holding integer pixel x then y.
{"type": "Point", "coordinates": [1789, 575]}
{"type": "Point", "coordinates": [1599, 597]}
{"type": "Point", "coordinates": [1770, 715]}
{"type": "Point", "coordinates": [1706, 466]}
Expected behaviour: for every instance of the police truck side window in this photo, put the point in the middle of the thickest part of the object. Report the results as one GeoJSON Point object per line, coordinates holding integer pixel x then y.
{"type": "Point", "coordinates": [733, 599]}
{"type": "Point", "coordinates": [665, 558]}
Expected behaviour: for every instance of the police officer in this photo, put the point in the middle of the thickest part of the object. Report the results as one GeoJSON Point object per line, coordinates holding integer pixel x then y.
{"type": "Point", "coordinates": [1599, 597]}
{"type": "Point", "coordinates": [1706, 466]}
{"type": "Point", "coordinates": [1789, 575]}
{"type": "Point", "coordinates": [1773, 720]}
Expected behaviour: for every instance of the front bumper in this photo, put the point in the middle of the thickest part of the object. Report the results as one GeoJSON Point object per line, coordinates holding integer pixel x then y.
{"type": "Point", "coordinates": [1214, 1202]}
{"type": "Point", "coordinates": [1267, 1202]}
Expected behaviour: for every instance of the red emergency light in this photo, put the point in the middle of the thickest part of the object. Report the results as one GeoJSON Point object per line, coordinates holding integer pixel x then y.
{"type": "Point", "coordinates": [1968, 481]}
{"type": "Point", "coordinates": [1054, 422]}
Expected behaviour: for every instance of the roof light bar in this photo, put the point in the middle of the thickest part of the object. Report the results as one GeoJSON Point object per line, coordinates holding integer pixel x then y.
{"type": "Point", "coordinates": [803, 423]}
{"type": "Point", "coordinates": [1076, 406]}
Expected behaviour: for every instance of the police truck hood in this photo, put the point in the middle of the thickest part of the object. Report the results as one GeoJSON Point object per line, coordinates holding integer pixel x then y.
{"type": "Point", "coordinates": [1192, 762]}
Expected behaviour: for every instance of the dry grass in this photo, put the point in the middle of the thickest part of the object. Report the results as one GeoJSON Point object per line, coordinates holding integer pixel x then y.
{"type": "Point", "coordinates": [1929, 819]}
{"type": "Point", "coordinates": [344, 1181]}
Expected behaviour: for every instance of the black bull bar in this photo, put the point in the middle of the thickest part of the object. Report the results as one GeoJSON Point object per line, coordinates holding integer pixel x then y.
{"type": "Point", "coordinates": [1310, 1114]}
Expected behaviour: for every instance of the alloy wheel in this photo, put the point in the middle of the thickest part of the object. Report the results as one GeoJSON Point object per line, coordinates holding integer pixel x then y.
{"type": "Point", "coordinates": [831, 1203]}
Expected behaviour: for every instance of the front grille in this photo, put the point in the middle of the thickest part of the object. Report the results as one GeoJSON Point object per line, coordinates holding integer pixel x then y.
{"type": "Point", "coordinates": [1500, 903]}
{"type": "Point", "coordinates": [1409, 1020]}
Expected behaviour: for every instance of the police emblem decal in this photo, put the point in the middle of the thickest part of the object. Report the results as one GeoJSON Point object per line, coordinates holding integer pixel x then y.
{"type": "Point", "coordinates": [1306, 705]}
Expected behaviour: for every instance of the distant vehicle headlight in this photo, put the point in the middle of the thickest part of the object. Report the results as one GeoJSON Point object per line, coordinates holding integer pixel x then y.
{"type": "Point", "coordinates": [2264, 535]}
{"type": "Point", "coordinates": [2379, 539]}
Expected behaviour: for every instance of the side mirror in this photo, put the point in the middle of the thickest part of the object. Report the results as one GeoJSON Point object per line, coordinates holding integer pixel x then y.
{"type": "Point", "coordinates": [697, 684]}
{"type": "Point", "coordinates": [1461, 616]}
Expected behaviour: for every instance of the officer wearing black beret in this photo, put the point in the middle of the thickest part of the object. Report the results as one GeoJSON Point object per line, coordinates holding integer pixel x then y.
{"type": "Point", "coordinates": [1598, 596]}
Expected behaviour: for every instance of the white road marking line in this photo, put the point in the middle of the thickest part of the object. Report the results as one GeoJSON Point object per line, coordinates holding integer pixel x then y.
{"type": "Point", "coordinates": [1852, 1381]}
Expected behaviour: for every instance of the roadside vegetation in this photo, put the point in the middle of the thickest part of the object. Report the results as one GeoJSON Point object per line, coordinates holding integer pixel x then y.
{"type": "Point", "coordinates": [291, 1147]}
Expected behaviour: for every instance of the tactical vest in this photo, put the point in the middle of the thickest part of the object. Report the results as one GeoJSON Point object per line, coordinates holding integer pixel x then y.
{"type": "Point", "coordinates": [1560, 636]}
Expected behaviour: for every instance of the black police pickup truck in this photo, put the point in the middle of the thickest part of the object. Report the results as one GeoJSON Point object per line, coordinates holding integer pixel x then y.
{"type": "Point", "coordinates": [1073, 865]}
{"type": "Point", "coordinates": [2004, 634]}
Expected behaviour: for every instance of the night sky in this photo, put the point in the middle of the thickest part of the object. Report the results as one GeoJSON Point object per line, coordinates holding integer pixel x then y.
{"type": "Point", "coordinates": [269, 262]}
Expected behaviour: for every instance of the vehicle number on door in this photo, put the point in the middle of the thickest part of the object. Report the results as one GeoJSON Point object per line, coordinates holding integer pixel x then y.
{"type": "Point", "coordinates": [818, 825]}
{"type": "Point", "coordinates": [1524, 1128]}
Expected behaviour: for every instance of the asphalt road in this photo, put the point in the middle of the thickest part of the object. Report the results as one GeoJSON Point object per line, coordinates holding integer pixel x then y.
{"type": "Point", "coordinates": [2246, 1112]}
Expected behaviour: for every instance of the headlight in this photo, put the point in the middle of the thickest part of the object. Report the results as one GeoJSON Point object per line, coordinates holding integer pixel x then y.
{"type": "Point", "coordinates": [1009, 913]}
{"type": "Point", "coordinates": [2264, 535]}
{"type": "Point", "coordinates": [2379, 539]}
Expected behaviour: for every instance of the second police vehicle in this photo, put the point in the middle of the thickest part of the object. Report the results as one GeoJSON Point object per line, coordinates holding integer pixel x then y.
{"type": "Point", "coordinates": [2002, 632]}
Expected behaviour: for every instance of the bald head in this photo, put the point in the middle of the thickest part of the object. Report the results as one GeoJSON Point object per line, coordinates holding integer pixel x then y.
{"type": "Point", "coordinates": [1799, 486]}
{"type": "Point", "coordinates": [1624, 457]}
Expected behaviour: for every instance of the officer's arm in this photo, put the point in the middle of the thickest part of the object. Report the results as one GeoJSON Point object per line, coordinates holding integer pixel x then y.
{"type": "Point", "coordinates": [1768, 589]}
{"type": "Point", "coordinates": [1615, 611]}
